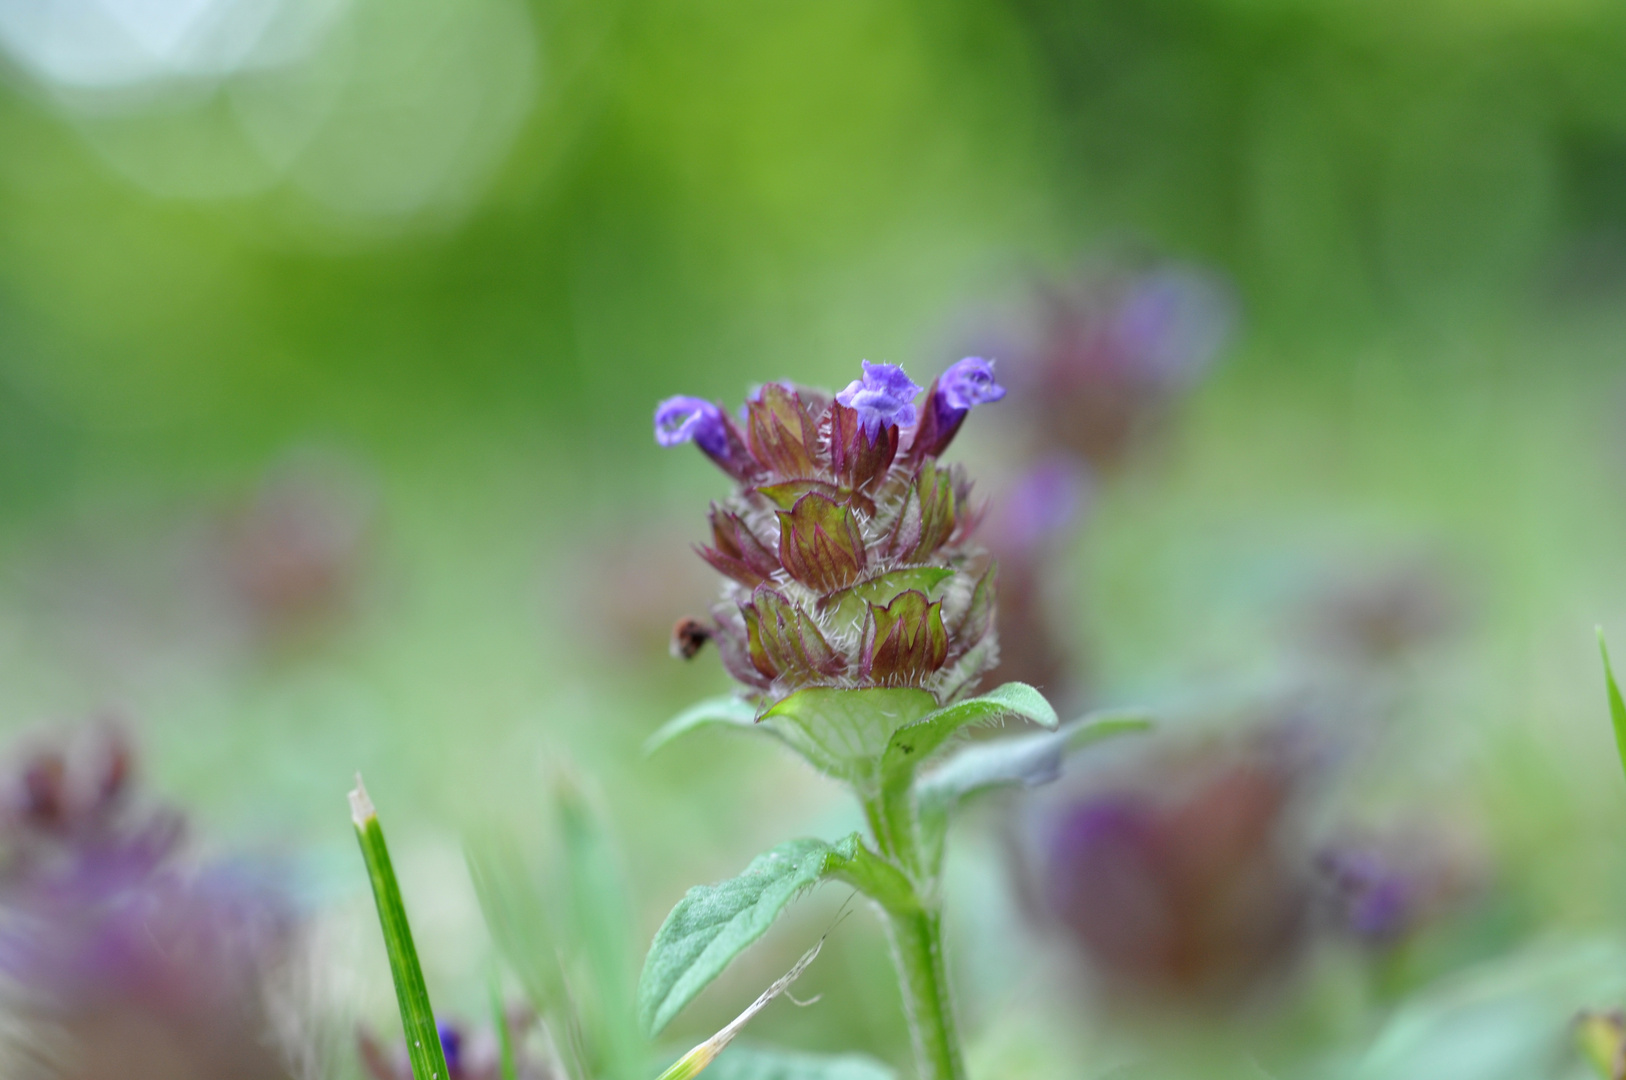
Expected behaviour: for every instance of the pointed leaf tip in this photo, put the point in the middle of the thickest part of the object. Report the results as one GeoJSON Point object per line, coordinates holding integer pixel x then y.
{"type": "Point", "coordinates": [361, 807]}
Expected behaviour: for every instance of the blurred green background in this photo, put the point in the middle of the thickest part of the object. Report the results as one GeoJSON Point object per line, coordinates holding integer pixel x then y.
{"type": "Point", "coordinates": [435, 261]}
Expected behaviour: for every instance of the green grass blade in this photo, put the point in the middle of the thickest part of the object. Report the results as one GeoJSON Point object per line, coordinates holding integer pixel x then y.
{"type": "Point", "coordinates": [417, 1018]}
{"type": "Point", "coordinates": [508, 1065]}
{"type": "Point", "coordinates": [1617, 707]}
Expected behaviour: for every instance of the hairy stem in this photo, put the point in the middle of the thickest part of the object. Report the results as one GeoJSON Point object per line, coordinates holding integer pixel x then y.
{"type": "Point", "coordinates": [914, 925]}
{"type": "Point", "coordinates": [917, 950]}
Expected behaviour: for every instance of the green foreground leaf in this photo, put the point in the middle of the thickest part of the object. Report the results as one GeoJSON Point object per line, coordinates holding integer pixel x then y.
{"type": "Point", "coordinates": [1617, 707]}
{"type": "Point", "coordinates": [725, 711]}
{"type": "Point", "coordinates": [911, 745]}
{"type": "Point", "coordinates": [845, 733]}
{"type": "Point", "coordinates": [417, 1018]}
{"type": "Point", "coordinates": [1028, 760]}
{"type": "Point", "coordinates": [712, 924]}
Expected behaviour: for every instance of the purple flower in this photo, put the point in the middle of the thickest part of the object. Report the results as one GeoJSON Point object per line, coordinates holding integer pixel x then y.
{"type": "Point", "coordinates": [1378, 898]}
{"type": "Point", "coordinates": [451, 1046]}
{"type": "Point", "coordinates": [1172, 322]}
{"type": "Point", "coordinates": [969, 383]}
{"type": "Point", "coordinates": [883, 398]}
{"type": "Point", "coordinates": [682, 418]}
{"type": "Point", "coordinates": [1044, 502]}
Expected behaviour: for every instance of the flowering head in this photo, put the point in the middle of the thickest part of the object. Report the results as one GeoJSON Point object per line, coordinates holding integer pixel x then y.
{"type": "Point", "coordinates": [1179, 886]}
{"type": "Point", "coordinates": [112, 939]}
{"type": "Point", "coordinates": [845, 546]}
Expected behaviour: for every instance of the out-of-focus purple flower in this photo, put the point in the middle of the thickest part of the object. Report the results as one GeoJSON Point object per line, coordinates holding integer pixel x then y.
{"type": "Point", "coordinates": [1024, 530]}
{"type": "Point", "coordinates": [470, 1054]}
{"type": "Point", "coordinates": [1101, 357]}
{"type": "Point", "coordinates": [1043, 504]}
{"type": "Point", "coordinates": [1382, 891]}
{"type": "Point", "coordinates": [1172, 322]}
{"type": "Point", "coordinates": [965, 385]}
{"type": "Point", "coordinates": [1180, 886]}
{"type": "Point", "coordinates": [294, 552]}
{"type": "Point", "coordinates": [883, 398]}
{"type": "Point", "coordinates": [1379, 900]}
{"type": "Point", "coordinates": [110, 942]}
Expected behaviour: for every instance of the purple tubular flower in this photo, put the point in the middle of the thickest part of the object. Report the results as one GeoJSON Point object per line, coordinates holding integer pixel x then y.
{"type": "Point", "coordinates": [682, 418]}
{"type": "Point", "coordinates": [965, 385]}
{"type": "Point", "coordinates": [883, 398]}
{"type": "Point", "coordinates": [969, 383]}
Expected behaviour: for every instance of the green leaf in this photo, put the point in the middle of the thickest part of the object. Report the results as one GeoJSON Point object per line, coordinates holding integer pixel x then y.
{"type": "Point", "coordinates": [1503, 1019]}
{"type": "Point", "coordinates": [602, 921]}
{"type": "Point", "coordinates": [712, 924]}
{"type": "Point", "coordinates": [1617, 707]}
{"type": "Point", "coordinates": [507, 1063]}
{"type": "Point", "coordinates": [727, 711]}
{"type": "Point", "coordinates": [914, 743]}
{"type": "Point", "coordinates": [760, 1063]}
{"type": "Point", "coordinates": [844, 733]}
{"type": "Point", "coordinates": [560, 915]}
{"type": "Point", "coordinates": [417, 1017]}
{"type": "Point", "coordinates": [1029, 760]}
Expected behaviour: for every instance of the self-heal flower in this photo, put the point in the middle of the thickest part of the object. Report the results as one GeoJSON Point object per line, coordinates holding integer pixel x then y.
{"type": "Point", "coordinates": [961, 388]}
{"type": "Point", "coordinates": [883, 398]}
{"type": "Point", "coordinates": [969, 383]}
{"type": "Point", "coordinates": [847, 562]}
{"type": "Point", "coordinates": [684, 419]}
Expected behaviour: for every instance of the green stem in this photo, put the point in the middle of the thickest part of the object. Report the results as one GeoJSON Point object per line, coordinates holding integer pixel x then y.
{"type": "Point", "coordinates": [917, 950]}
{"type": "Point", "coordinates": [914, 924]}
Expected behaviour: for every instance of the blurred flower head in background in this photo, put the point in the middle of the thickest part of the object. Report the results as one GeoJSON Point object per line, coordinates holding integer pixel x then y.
{"type": "Point", "coordinates": [845, 547]}
{"type": "Point", "coordinates": [1381, 890]}
{"type": "Point", "coordinates": [294, 553]}
{"type": "Point", "coordinates": [1095, 364]}
{"type": "Point", "coordinates": [121, 957]}
{"type": "Point", "coordinates": [1098, 360]}
{"type": "Point", "coordinates": [1182, 881]}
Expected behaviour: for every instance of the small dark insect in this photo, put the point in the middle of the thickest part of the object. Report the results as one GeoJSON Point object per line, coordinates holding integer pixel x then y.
{"type": "Point", "coordinates": [689, 636]}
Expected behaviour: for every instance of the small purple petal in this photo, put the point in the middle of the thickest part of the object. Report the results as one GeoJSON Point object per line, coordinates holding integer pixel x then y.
{"type": "Point", "coordinates": [969, 383]}
{"type": "Point", "coordinates": [883, 398]}
{"type": "Point", "coordinates": [680, 419]}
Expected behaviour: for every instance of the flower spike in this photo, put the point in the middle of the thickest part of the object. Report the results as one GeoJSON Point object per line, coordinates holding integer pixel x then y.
{"type": "Point", "coordinates": [846, 554]}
